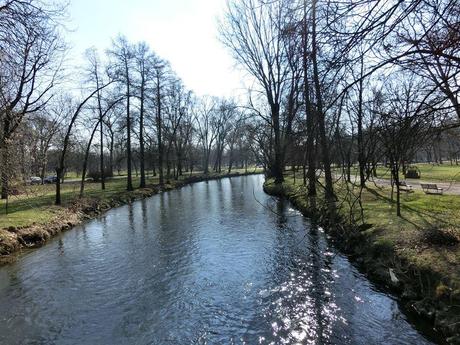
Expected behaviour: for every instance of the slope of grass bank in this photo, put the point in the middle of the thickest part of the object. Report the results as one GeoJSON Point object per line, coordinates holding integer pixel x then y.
{"type": "Point", "coordinates": [32, 217]}
{"type": "Point", "coordinates": [421, 248]}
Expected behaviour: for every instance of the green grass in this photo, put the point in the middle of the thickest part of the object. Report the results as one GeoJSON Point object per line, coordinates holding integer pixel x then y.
{"type": "Point", "coordinates": [429, 172]}
{"type": "Point", "coordinates": [35, 204]}
{"type": "Point", "coordinates": [420, 213]}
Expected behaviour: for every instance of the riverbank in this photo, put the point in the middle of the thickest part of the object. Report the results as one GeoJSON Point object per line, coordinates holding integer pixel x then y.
{"type": "Point", "coordinates": [208, 257]}
{"type": "Point", "coordinates": [416, 256]}
{"type": "Point", "coordinates": [32, 221]}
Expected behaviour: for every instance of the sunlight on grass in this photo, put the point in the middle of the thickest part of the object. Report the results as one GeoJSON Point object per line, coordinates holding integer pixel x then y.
{"type": "Point", "coordinates": [420, 213]}
{"type": "Point", "coordinates": [429, 172]}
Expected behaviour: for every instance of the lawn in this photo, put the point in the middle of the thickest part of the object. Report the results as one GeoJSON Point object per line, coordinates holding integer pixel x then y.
{"type": "Point", "coordinates": [430, 172]}
{"type": "Point", "coordinates": [410, 235]}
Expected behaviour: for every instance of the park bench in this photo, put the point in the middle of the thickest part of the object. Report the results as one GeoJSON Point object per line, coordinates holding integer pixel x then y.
{"type": "Point", "coordinates": [430, 188]}
{"type": "Point", "coordinates": [404, 186]}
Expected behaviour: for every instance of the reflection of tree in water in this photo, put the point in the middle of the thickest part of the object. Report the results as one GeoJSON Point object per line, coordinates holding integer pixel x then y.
{"type": "Point", "coordinates": [132, 226]}
{"type": "Point", "coordinates": [167, 265]}
{"type": "Point", "coordinates": [144, 212]}
{"type": "Point", "coordinates": [261, 276]}
{"type": "Point", "coordinates": [281, 218]}
{"type": "Point", "coordinates": [300, 307]}
{"type": "Point", "coordinates": [104, 227]}
{"type": "Point", "coordinates": [61, 247]}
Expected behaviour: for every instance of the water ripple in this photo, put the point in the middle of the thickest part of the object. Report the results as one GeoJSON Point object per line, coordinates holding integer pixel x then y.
{"type": "Point", "coordinates": [206, 264]}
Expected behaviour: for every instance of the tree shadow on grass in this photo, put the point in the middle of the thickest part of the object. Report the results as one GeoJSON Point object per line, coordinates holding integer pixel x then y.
{"type": "Point", "coordinates": [429, 218]}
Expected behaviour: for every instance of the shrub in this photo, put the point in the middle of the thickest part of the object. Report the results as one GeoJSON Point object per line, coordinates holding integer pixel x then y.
{"type": "Point", "coordinates": [440, 237]}
{"type": "Point", "coordinates": [412, 172]}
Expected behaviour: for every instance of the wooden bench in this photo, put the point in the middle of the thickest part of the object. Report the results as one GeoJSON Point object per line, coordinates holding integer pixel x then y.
{"type": "Point", "coordinates": [429, 188]}
{"type": "Point", "coordinates": [404, 186]}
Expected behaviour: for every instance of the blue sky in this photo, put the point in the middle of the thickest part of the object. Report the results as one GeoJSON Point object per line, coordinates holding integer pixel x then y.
{"type": "Point", "coordinates": [181, 31]}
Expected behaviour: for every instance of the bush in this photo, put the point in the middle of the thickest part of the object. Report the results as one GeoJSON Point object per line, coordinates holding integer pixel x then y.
{"type": "Point", "coordinates": [95, 175]}
{"type": "Point", "coordinates": [440, 237]}
{"type": "Point", "coordinates": [412, 172]}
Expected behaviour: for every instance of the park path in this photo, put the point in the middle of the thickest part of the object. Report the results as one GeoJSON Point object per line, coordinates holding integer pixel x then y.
{"type": "Point", "coordinates": [451, 188]}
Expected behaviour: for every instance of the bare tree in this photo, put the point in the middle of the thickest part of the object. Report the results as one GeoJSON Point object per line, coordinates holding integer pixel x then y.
{"type": "Point", "coordinates": [100, 118]}
{"type": "Point", "coordinates": [160, 74]}
{"type": "Point", "coordinates": [122, 54]}
{"type": "Point", "coordinates": [69, 109]}
{"type": "Point", "coordinates": [31, 50]}
{"type": "Point", "coordinates": [145, 61]}
{"type": "Point", "coordinates": [433, 28]}
{"type": "Point", "coordinates": [204, 118]}
{"type": "Point", "coordinates": [46, 128]}
{"type": "Point", "coordinates": [96, 76]}
{"type": "Point", "coordinates": [405, 122]}
{"type": "Point", "coordinates": [253, 30]}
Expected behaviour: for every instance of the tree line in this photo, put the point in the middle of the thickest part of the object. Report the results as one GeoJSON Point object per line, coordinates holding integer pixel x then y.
{"type": "Point", "coordinates": [131, 112]}
{"type": "Point", "coordinates": [335, 87]}
{"type": "Point", "coordinates": [340, 84]}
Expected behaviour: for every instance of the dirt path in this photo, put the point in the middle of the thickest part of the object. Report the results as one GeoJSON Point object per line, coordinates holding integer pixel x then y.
{"type": "Point", "coordinates": [451, 188]}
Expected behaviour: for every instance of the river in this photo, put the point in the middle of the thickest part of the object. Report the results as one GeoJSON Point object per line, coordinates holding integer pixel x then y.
{"type": "Point", "coordinates": [215, 262]}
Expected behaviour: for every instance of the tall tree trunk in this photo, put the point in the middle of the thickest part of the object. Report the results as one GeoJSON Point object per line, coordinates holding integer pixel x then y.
{"type": "Point", "coordinates": [216, 162]}
{"type": "Point", "coordinates": [59, 171]}
{"type": "Point", "coordinates": [112, 138]}
{"type": "Point", "coordinates": [5, 159]}
{"type": "Point", "coordinates": [141, 134]}
{"type": "Point", "coordinates": [179, 162]}
{"type": "Point", "coordinates": [395, 171]}
{"type": "Point", "coordinates": [102, 154]}
{"type": "Point", "coordinates": [361, 159]}
{"type": "Point", "coordinates": [85, 161]}
{"type": "Point", "coordinates": [168, 164]}
{"type": "Point", "coordinates": [206, 160]}
{"type": "Point", "coordinates": [221, 153]}
{"type": "Point", "coordinates": [278, 166]}
{"type": "Point", "coordinates": [230, 159]}
{"type": "Point", "coordinates": [129, 185]}
{"type": "Point", "coordinates": [320, 113]}
{"type": "Point", "coordinates": [159, 136]}
{"type": "Point", "coordinates": [4, 176]}
{"type": "Point", "coordinates": [309, 113]}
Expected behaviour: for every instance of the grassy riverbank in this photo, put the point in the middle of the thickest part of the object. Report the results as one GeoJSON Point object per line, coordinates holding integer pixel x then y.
{"type": "Point", "coordinates": [421, 247]}
{"type": "Point", "coordinates": [33, 218]}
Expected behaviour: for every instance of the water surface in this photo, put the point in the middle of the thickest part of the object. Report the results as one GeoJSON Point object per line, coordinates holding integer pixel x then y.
{"type": "Point", "coordinates": [212, 263]}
